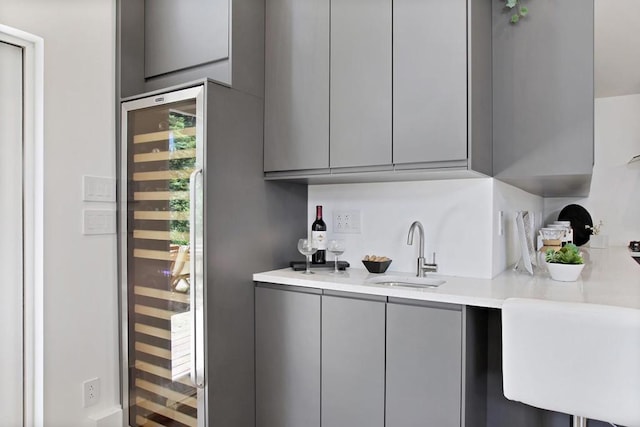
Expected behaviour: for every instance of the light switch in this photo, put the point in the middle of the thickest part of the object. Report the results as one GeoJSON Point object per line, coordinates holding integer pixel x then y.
{"type": "Point", "coordinates": [98, 189]}
{"type": "Point", "coordinates": [99, 221]}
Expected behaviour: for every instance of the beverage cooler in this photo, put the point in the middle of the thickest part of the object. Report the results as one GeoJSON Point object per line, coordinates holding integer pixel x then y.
{"type": "Point", "coordinates": [196, 220]}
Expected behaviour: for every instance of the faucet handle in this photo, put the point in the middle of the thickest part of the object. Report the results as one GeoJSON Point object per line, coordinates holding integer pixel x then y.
{"type": "Point", "coordinates": [431, 267]}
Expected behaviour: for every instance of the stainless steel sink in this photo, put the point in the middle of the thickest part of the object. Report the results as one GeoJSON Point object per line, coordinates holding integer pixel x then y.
{"type": "Point", "coordinates": [407, 282]}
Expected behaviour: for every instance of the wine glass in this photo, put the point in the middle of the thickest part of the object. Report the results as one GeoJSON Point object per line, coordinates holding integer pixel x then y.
{"type": "Point", "coordinates": [336, 247]}
{"type": "Point", "coordinates": [307, 248]}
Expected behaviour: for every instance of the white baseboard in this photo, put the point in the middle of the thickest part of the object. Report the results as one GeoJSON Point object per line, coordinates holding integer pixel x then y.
{"type": "Point", "coordinates": [109, 418]}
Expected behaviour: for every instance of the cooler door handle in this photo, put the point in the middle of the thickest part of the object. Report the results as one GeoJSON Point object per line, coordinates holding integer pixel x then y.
{"type": "Point", "coordinates": [196, 298]}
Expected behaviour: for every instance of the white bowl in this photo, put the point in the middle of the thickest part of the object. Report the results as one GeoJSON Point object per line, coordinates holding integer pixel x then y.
{"type": "Point", "coordinates": [564, 272]}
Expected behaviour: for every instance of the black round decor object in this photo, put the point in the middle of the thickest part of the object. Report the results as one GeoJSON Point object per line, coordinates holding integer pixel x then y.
{"type": "Point", "coordinates": [579, 218]}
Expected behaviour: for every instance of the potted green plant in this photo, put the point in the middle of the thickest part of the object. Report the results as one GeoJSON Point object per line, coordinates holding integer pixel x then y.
{"type": "Point", "coordinates": [565, 264]}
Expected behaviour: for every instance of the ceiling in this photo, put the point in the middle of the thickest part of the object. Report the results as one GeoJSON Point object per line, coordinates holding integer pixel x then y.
{"type": "Point", "coordinates": [617, 48]}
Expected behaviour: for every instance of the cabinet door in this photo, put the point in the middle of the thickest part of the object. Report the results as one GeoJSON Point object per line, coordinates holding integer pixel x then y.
{"type": "Point", "coordinates": [287, 358]}
{"type": "Point", "coordinates": [424, 363]}
{"type": "Point", "coordinates": [296, 85]}
{"type": "Point", "coordinates": [429, 80]}
{"type": "Point", "coordinates": [360, 83]}
{"type": "Point", "coordinates": [543, 113]}
{"type": "Point", "coordinates": [353, 338]}
{"type": "Point", "coordinates": [184, 34]}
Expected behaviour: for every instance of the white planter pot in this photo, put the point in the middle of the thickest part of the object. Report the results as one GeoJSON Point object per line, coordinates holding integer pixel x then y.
{"type": "Point", "coordinates": [564, 272]}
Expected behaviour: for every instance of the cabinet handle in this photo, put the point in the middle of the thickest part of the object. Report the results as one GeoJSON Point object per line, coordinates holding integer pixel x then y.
{"type": "Point", "coordinates": [195, 299]}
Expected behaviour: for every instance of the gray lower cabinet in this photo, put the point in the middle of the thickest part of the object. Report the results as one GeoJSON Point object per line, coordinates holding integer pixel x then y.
{"type": "Point", "coordinates": [424, 366]}
{"type": "Point", "coordinates": [353, 362]}
{"type": "Point", "coordinates": [287, 358]}
{"type": "Point", "coordinates": [335, 359]}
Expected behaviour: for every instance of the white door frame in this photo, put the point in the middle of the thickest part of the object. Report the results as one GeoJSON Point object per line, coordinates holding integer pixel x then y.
{"type": "Point", "coordinates": [33, 49]}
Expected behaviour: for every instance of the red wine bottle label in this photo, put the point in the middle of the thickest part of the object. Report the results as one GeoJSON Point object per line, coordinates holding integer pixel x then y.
{"type": "Point", "coordinates": [320, 239]}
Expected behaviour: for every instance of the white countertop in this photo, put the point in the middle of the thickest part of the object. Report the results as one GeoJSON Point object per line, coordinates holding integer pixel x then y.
{"type": "Point", "coordinates": [610, 277]}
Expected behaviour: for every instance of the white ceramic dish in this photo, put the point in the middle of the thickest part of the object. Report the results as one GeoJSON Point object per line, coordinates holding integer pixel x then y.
{"type": "Point", "coordinates": [564, 272]}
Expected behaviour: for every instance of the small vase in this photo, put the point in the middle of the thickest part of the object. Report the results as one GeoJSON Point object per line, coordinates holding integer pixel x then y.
{"type": "Point", "coordinates": [564, 272]}
{"type": "Point", "coordinates": [600, 241]}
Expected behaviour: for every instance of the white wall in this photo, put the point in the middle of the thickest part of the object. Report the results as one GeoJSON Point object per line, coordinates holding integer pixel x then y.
{"type": "Point", "coordinates": [460, 218]}
{"type": "Point", "coordinates": [615, 186]}
{"type": "Point", "coordinates": [80, 289]}
{"type": "Point", "coordinates": [616, 47]}
{"type": "Point", "coordinates": [456, 215]}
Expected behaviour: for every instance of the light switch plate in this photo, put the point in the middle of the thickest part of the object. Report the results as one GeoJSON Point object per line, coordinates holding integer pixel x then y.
{"type": "Point", "coordinates": [98, 189]}
{"type": "Point", "coordinates": [99, 221]}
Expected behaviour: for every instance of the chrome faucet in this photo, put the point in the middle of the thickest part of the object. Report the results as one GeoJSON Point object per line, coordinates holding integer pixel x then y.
{"type": "Point", "coordinates": [423, 266]}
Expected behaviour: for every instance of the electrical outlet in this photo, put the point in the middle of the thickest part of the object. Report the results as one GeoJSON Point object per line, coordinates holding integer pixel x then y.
{"type": "Point", "coordinates": [90, 392]}
{"type": "Point", "coordinates": [346, 222]}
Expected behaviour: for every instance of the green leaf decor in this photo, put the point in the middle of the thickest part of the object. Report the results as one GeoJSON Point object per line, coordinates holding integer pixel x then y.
{"type": "Point", "coordinates": [516, 6]}
{"type": "Point", "coordinates": [568, 254]}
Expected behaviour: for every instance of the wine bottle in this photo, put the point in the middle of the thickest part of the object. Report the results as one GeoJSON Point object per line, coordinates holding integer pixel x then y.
{"type": "Point", "coordinates": [319, 236]}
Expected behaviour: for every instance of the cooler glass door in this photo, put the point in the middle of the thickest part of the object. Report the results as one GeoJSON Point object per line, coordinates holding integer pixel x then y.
{"type": "Point", "coordinates": [162, 254]}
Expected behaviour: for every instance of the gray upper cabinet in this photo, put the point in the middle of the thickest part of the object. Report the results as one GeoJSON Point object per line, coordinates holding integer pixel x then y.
{"type": "Point", "coordinates": [353, 362]}
{"type": "Point", "coordinates": [424, 366]}
{"type": "Point", "coordinates": [429, 81]}
{"type": "Point", "coordinates": [287, 358]}
{"type": "Point", "coordinates": [360, 83]}
{"type": "Point", "coordinates": [297, 85]}
{"type": "Point", "coordinates": [163, 43]}
{"type": "Point", "coordinates": [408, 87]}
{"type": "Point", "coordinates": [543, 97]}
{"type": "Point", "coordinates": [203, 40]}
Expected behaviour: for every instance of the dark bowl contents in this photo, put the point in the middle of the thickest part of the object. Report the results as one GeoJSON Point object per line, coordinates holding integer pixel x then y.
{"type": "Point", "coordinates": [377, 266]}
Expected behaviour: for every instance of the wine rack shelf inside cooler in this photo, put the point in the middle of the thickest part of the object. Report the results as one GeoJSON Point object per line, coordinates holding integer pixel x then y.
{"type": "Point", "coordinates": [163, 135]}
{"type": "Point", "coordinates": [162, 175]}
{"type": "Point", "coordinates": [160, 235]}
{"type": "Point", "coordinates": [164, 155]}
{"type": "Point", "coordinates": [162, 215]}
{"type": "Point", "coordinates": [156, 408]}
{"type": "Point", "coordinates": [160, 195]}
